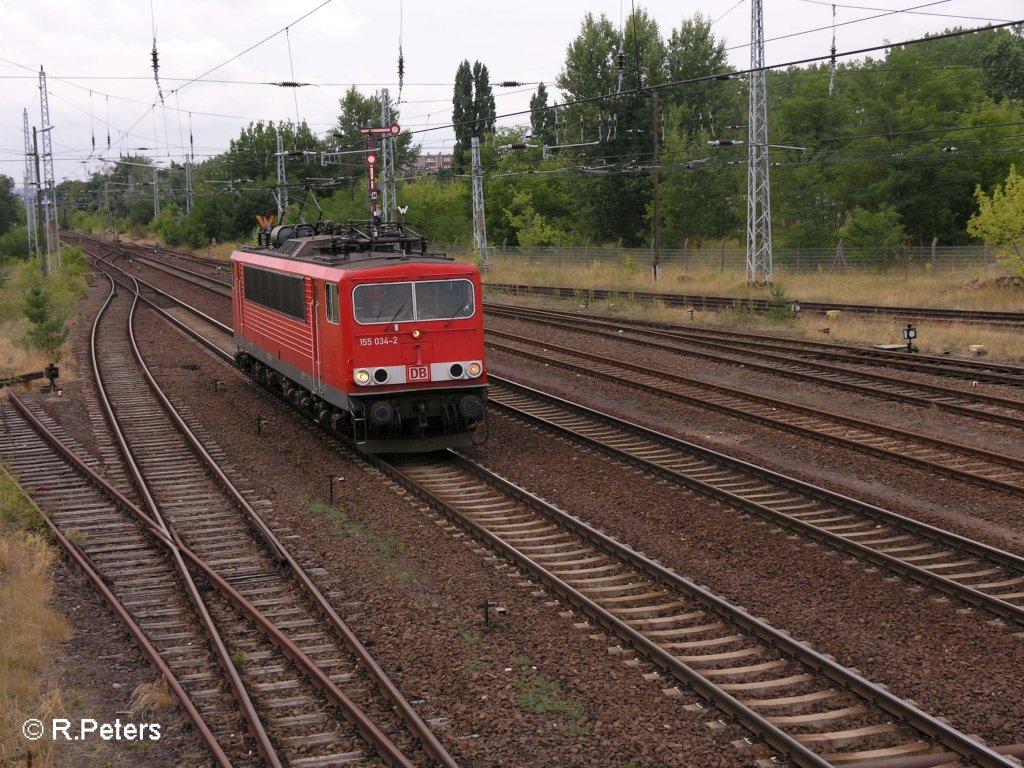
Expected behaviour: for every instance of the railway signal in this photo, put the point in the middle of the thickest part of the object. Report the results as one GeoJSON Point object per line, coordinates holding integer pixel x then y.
{"type": "Point", "coordinates": [384, 130]}
{"type": "Point", "coordinates": [910, 333]}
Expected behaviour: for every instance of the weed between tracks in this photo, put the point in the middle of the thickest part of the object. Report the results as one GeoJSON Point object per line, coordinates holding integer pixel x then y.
{"type": "Point", "coordinates": [388, 549]}
{"type": "Point", "coordinates": [536, 694]}
{"type": "Point", "coordinates": [28, 628]}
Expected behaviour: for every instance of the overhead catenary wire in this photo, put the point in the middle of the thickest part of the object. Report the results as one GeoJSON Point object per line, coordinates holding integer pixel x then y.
{"type": "Point", "coordinates": [291, 67]}
{"type": "Point", "coordinates": [130, 137]}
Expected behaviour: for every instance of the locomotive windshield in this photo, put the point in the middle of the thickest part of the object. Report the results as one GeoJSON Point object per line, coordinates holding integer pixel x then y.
{"type": "Point", "coordinates": [402, 302]}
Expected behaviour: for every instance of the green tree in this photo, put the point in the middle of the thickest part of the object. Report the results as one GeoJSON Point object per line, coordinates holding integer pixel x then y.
{"type": "Point", "coordinates": [252, 157]}
{"type": "Point", "coordinates": [692, 53]}
{"type": "Point", "coordinates": [359, 111]}
{"type": "Point", "coordinates": [11, 209]}
{"type": "Point", "coordinates": [48, 332]}
{"type": "Point", "coordinates": [613, 200]}
{"type": "Point", "coordinates": [1000, 220]}
{"type": "Point", "coordinates": [483, 100]}
{"type": "Point", "coordinates": [473, 110]}
{"type": "Point", "coordinates": [542, 117]}
{"type": "Point", "coordinates": [463, 118]}
{"type": "Point", "coordinates": [878, 236]}
{"type": "Point", "coordinates": [1003, 64]}
{"type": "Point", "coordinates": [14, 244]}
{"type": "Point", "coordinates": [532, 228]}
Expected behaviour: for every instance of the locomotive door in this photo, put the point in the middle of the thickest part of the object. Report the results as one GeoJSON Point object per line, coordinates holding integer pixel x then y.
{"type": "Point", "coordinates": [326, 327]}
{"type": "Point", "coordinates": [312, 312]}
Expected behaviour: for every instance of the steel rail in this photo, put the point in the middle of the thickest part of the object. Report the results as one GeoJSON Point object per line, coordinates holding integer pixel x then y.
{"type": "Point", "coordinates": [419, 728]}
{"type": "Point", "coordinates": [939, 365]}
{"type": "Point", "coordinates": [775, 404]}
{"type": "Point", "coordinates": [761, 305]}
{"type": "Point", "coordinates": [788, 364]}
{"type": "Point", "coordinates": [774, 736]}
{"type": "Point", "coordinates": [320, 679]}
{"type": "Point", "coordinates": [923, 576]}
{"type": "Point", "coordinates": [83, 560]}
{"type": "Point", "coordinates": [421, 731]}
{"type": "Point", "coordinates": [248, 710]}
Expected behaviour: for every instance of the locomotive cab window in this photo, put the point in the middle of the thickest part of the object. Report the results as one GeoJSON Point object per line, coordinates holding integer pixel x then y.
{"type": "Point", "coordinates": [331, 300]}
{"type": "Point", "coordinates": [383, 303]}
{"type": "Point", "coordinates": [402, 302]}
{"type": "Point", "coordinates": [444, 299]}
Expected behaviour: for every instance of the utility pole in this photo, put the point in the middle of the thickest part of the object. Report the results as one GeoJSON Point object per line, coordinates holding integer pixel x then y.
{"type": "Point", "coordinates": [387, 151]}
{"type": "Point", "coordinates": [31, 191]}
{"type": "Point", "coordinates": [282, 181]}
{"type": "Point", "coordinates": [759, 204]}
{"type": "Point", "coordinates": [52, 226]}
{"type": "Point", "coordinates": [190, 193]}
{"type": "Point", "coordinates": [655, 259]}
{"type": "Point", "coordinates": [479, 218]}
{"type": "Point", "coordinates": [156, 191]}
{"type": "Point", "coordinates": [44, 262]}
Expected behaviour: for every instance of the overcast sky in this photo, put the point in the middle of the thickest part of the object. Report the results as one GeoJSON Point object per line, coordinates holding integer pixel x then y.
{"type": "Point", "coordinates": [217, 56]}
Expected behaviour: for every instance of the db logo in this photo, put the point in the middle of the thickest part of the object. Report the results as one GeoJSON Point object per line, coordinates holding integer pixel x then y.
{"type": "Point", "coordinates": [418, 373]}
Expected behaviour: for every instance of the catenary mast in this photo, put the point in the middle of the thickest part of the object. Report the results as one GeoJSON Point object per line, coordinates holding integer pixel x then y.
{"type": "Point", "coordinates": [759, 205]}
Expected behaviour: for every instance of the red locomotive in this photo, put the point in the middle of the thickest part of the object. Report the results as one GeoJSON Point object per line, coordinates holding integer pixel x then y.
{"type": "Point", "coordinates": [365, 329]}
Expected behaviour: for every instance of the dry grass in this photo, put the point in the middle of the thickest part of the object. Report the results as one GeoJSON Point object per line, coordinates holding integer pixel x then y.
{"type": "Point", "coordinates": [149, 698]}
{"type": "Point", "coordinates": [14, 359]}
{"type": "Point", "coordinates": [975, 289]}
{"type": "Point", "coordinates": [28, 626]}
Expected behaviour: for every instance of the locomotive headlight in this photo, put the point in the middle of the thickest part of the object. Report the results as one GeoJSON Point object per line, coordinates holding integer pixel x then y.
{"type": "Point", "coordinates": [474, 369]}
{"type": "Point", "coordinates": [417, 333]}
{"type": "Point", "coordinates": [362, 377]}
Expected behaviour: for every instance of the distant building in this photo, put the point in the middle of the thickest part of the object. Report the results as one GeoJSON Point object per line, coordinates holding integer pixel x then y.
{"type": "Point", "coordinates": [427, 163]}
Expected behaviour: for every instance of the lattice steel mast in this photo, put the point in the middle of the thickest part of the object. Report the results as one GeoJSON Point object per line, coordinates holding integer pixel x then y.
{"type": "Point", "coordinates": [759, 204]}
{"type": "Point", "coordinates": [282, 181]}
{"type": "Point", "coordinates": [51, 227]}
{"type": "Point", "coordinates": [387, 151]}
{"type": "Point", "coordinates": [479, 219]}
{"type": "Point", "coordinates": [31, 193]}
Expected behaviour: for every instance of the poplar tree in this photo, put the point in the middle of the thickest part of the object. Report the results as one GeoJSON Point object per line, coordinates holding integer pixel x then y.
{"type": "Point", "coordinates": [542, 119]}
{"type": "Point", "coordinates": [473, 111]}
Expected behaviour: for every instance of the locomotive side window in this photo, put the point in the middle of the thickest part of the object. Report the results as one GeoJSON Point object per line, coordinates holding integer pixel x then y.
{"type": "Point", "coordinates": [444, 299]}
{"type": "Point", "coordinates": [283, 293]}
{"type": "Point", "coordinates": [383, 303]}
{"type": "Point", "coordinates": [331, 300]}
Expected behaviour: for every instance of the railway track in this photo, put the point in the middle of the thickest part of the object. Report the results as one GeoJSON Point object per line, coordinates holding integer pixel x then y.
{"type": "Point", "coordinates": [971, 571]}
{"type": "Point", "coordinates": [89, 518]}
{"type": "Point", "coordinates": [977, 574]}
{"type": "Point", "coordinates": [311, 694]}
{"type": "Point", "coordinates": [684, 301]}
{"type": "Point", "coordinates": [974, 404]}
{"type": "Point", "coordinates": [801, 704]}
{"type": "Point", "coordinates": [873, 741]}
{"type": "Point", "coordinates": [974, 465]}
{"type": "Point", "coordinates": [969, 369]}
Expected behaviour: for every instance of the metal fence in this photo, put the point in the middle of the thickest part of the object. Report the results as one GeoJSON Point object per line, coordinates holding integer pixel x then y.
{"type": "Point", "coordinates": [725, 258]}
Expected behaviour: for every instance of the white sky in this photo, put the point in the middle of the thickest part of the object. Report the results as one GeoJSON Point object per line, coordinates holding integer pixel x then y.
{"type": "Point", "coordinates": [97, 59]}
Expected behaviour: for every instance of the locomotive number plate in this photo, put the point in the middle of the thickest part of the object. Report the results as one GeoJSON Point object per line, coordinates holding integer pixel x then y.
{"type": "Point", "coordinates": [377, 341]}
{"type": "Point", "coordinates": [417, 373]}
